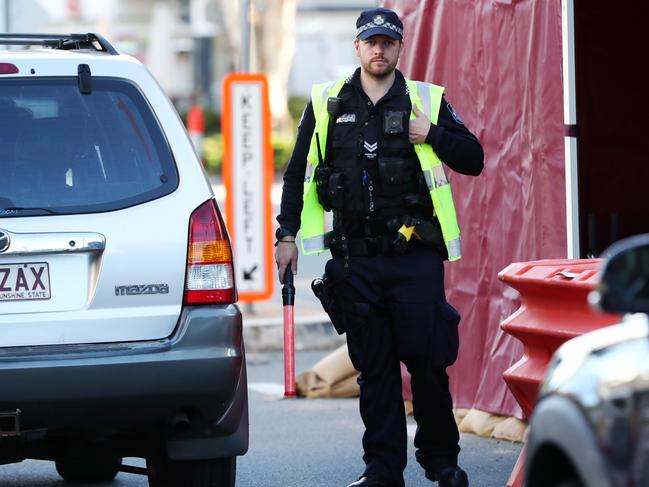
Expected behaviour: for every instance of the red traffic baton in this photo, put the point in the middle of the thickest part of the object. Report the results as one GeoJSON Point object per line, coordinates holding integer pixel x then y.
{"type": "Point", "coordinates": [288, 299]}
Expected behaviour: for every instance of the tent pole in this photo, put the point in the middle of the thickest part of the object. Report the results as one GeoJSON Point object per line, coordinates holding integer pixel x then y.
{"type": "Point", "coordinates": [570, 126]}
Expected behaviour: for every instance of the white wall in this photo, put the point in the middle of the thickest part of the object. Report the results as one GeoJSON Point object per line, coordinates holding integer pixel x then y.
{"type": "Point", "coordinates": [3, 15]}
{"type": "Point", "coordinates": [324, 48]}
{"type": "Point", "coordinates": [24, 16]}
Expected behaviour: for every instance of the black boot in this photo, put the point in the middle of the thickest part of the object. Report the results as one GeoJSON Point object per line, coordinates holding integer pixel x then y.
{"type": "Point", "coordinates": [449, 477]}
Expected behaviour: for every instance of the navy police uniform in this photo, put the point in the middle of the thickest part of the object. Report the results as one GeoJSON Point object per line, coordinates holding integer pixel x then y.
{"type": "Point", "coordinates": [394, 304]}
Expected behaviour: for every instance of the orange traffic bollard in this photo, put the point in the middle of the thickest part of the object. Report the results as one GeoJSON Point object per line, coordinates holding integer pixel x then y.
{"type": "Point", "coordinates": [554, 308]}
{"type": "Point", "coordinates": [196, 127]}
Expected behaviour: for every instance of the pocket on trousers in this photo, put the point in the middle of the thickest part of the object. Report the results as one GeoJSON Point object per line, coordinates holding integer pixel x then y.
{"type": "Point", "coordinates": [356, 320]}
{"type": "Point", "coordinates": [447, 339]}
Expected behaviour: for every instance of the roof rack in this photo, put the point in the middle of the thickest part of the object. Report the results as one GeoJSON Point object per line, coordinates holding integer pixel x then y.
{"type": "Point", "coordinates": [60, 41]}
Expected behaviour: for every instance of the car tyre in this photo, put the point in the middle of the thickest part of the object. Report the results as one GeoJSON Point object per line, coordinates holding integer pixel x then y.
{"type": "Point", "coordinates": [86, 469]}
{"type": "Point", "coordinates": [213, 472]}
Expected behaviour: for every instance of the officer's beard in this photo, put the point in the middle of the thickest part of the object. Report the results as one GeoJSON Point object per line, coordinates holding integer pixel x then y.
{"type": "Point", "coordinates": [380, 71]}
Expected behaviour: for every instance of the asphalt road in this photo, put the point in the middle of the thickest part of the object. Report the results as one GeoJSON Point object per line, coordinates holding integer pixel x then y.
{"type": "Point", "coordinates": [300, 442]}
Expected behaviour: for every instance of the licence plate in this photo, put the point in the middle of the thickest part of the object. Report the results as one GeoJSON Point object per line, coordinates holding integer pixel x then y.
{"type": "Point", "coordinates": [24, 282]}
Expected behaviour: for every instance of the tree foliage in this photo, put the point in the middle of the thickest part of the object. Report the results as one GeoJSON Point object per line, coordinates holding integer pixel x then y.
{"type": "Point", "coordinates": [272, 46]}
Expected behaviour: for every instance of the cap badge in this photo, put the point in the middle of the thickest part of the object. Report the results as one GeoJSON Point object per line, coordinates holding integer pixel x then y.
{"type": "Point", "coordinates": [379, 20]}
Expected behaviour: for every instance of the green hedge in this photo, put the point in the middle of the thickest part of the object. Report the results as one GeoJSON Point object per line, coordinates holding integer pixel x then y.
{"type": "Point", "coordinates": [296, 106]}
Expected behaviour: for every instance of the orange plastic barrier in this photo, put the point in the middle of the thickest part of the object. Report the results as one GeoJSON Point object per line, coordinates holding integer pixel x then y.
{"type": "Point", "coordinates": [554, 309]}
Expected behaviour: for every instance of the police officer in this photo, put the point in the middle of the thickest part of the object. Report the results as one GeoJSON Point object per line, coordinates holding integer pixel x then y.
{"type": "Point", "coordinates": [370, 148]}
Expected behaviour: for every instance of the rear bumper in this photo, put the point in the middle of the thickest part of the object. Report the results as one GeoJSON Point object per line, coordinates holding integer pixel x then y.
{"type": "Point", "coordinates": [199, 370]}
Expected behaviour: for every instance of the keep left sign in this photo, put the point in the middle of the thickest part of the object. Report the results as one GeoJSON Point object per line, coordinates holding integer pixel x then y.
{"type": "Point", "coordinates": [248, 175]}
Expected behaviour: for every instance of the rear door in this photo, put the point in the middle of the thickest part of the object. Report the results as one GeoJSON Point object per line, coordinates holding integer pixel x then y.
{"type": "Point", "coordinates": [93, 232]}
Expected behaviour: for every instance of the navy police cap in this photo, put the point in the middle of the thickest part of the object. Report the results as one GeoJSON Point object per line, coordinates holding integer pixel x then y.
{"type": "Point", "coordinates": [379, 21]}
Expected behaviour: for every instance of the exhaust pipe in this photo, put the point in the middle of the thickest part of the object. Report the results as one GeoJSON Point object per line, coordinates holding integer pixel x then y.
{"type": "Point", "coordinates": [180, 422]}
{"type": "Point", "coordinates": [10, 423]}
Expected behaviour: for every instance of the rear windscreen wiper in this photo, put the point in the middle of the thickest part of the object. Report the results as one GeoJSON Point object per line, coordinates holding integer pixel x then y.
{"type": "Point", "coordinates": [12, 210]}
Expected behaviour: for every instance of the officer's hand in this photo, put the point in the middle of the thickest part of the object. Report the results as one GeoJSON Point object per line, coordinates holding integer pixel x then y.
{"type": "Point", "coordinates": [285, 255]}
{"type": "Point", "coordinates": [419, 127]}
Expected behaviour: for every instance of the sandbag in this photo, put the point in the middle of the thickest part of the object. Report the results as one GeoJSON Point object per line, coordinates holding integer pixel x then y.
{"type": "Point", "coordinates": [333, 376]}
{"type": "Point", "coordinates": [512, 429]}
{"type": "Point", "coordinates": [485, 424]}
{"type": "Point", "coordinates": [336, 366]}
{"type": "Point", "coordinates": [308, 384]}
{"type": "Point", "coordinates": [479, 422]}
{"type": "Point", "coordinates": [346, 387]}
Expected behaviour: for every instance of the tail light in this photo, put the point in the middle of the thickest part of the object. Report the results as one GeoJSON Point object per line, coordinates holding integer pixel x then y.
{"type": "Point", "coordinates": [210, 274]}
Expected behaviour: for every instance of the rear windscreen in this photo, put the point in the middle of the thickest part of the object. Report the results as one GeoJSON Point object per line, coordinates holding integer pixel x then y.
{"type": "Point", "coordinates": [64, 152]}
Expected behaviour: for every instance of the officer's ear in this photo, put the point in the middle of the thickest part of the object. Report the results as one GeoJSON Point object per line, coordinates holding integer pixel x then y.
{"type": "Point", "coordinates": [356, 46]}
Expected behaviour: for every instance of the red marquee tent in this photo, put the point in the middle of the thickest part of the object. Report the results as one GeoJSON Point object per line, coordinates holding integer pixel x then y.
{"type": "Point", "coordinates": [510, 72]}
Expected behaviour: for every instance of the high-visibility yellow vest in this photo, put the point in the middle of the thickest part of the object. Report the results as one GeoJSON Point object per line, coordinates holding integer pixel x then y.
{"type": "Point", "coordinates": [428, 98]}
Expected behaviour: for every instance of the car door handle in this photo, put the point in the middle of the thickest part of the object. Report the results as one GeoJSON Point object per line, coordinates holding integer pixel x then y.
{"type": "Point", "coordinates": [53, 243]}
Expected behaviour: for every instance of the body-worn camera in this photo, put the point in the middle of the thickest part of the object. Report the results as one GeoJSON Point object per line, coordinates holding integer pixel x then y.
{"type": "Point", "coordinates": [393, 123]}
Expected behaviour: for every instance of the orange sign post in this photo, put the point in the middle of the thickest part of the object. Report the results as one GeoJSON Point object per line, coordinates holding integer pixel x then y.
{"type": "Point", "coordinates": [248, 176]}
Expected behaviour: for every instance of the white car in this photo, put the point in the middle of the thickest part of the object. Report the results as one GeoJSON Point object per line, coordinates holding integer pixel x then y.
{"type": "Point", "coordinates": [119, 332]}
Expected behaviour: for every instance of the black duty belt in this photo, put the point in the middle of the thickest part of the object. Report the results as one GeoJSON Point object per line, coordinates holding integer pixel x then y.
{"type": "Point", "coordinates": [362, 246]}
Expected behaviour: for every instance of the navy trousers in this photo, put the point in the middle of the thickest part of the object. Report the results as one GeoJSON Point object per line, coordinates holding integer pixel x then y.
{"type": "Point", "coordinates": [396, 310]}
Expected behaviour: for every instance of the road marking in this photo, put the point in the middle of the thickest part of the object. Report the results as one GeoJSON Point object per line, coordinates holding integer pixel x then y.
{"type": "Point", "coordinates": [267, 388]}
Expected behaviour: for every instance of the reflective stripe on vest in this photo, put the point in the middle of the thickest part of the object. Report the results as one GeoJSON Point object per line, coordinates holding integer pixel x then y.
{"type": "Point", "coordinates": [428, 98]}
{"type": "Point", "coordinates": [312, 218]}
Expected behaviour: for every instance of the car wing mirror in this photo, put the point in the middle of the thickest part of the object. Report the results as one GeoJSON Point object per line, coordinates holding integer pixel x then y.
{"type": "Point", "coordinates": [624, 284]}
